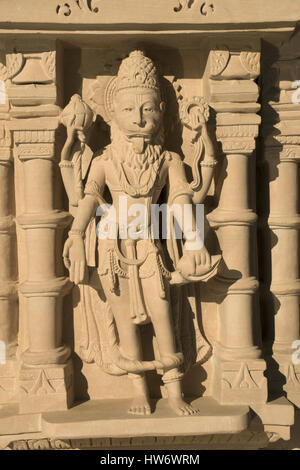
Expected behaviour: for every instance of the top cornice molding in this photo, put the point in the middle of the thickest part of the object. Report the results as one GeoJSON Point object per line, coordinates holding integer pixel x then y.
{"type": "Point", "coordinates": [127, 14]}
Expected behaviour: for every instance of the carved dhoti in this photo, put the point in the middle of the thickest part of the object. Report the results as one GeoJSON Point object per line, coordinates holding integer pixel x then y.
{"type": "Point", "coordinates": [141, 260]}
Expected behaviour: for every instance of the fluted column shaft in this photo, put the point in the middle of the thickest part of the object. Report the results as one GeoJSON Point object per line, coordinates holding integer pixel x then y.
{"type": "Point", "coordinates": [284, 221]}
{"type": "Point", "coordinates": [235, 221]}
{"type": "Point", "coordinates": [42, 288]}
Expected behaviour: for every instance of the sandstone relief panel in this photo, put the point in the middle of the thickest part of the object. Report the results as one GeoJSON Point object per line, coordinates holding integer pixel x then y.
{"type": "Point", "coordinates": [148, 224]}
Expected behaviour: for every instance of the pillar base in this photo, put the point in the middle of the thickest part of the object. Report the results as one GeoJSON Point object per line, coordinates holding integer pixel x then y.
{"type": "Point", "coordinates": [46, 388]}
{"type": "Point", "coordinates": [277, 416]}
{"type": "Point", "coordinates": [292, 386]}
{"type": "Point", "coordinates": [50, 357]}
{"type": "Point", "coordinates": [8, 391]}
{"type": "Point", "coordinates": [241, 382]}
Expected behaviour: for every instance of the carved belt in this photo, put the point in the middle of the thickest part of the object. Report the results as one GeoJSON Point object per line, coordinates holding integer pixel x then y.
{"type": "Point", "coordinates": [138, 311]}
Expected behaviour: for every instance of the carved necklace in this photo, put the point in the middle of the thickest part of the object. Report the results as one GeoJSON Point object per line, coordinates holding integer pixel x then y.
{"type": "Point", "coordinates": [138, 180]}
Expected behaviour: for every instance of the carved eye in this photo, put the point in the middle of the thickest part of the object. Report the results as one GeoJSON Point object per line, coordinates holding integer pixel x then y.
{"type": "Point", "coordinates": [128, 109]}
{"type": "Point", "coordinates": [148, 109]}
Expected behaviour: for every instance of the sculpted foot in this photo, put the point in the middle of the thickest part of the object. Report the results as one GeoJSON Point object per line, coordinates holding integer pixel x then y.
{"type": "Point", "coordinates": [140, 406]}
{"type": "Point", "coordinates": [182, 408]}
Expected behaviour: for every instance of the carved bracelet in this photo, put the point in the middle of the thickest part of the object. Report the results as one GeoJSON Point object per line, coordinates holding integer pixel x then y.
{"type": "Point", "coordinates": [76, 233]}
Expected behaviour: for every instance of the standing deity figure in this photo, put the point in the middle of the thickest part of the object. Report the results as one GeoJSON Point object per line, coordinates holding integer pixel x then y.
{"type": "Point", "coordinates": [134, 276]}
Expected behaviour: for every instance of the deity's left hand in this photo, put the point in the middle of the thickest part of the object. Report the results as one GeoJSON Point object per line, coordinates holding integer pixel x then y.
{"type": "Point", "coordinates": [194, 263]}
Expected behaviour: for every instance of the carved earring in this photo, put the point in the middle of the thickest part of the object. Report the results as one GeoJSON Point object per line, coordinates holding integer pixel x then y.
{"type": "Point", "coordinates": [162, 106]}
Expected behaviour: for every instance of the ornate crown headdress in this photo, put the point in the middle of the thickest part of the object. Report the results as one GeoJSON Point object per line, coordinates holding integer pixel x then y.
{"type": "Point", "coordinates": [137, 70]}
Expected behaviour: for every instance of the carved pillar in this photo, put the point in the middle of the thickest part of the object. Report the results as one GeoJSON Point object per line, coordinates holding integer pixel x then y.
{"type": "Point", "coordinates": [281, 221]}
{"type": "Point", "coordinates": [8, 271]}
{"type": "Point", "coordinates": [46, 369]}
{"type": "Point", "coordinates": [239, 369]}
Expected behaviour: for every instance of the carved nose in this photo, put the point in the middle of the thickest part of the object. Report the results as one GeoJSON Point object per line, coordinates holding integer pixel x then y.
{"type": "Point", "coordinates": [138, 119]}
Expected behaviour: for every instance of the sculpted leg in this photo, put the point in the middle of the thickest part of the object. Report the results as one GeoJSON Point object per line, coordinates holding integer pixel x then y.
{"type": "Point", "coordinates": [131, 348]}
{"type": "Point", "coordinates": [140, 404]}
{"type": "Point", "coordinates": [164, 332]}
{"type": "Point", "coordinates": [130, 345]}
{"type": "Point", "coordinates": [176, 401]}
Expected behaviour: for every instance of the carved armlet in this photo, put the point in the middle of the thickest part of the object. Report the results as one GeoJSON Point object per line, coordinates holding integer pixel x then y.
{"type": "Point", "coordinates": [66, 164]}
{"type": "Point", "coordinates": [209, 162]}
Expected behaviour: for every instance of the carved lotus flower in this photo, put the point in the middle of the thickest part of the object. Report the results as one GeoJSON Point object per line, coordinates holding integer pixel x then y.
{"type": "Point", "coordinates": [77, 114]}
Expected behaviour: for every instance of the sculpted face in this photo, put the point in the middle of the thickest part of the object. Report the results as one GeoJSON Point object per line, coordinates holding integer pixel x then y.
{"type": "Point", "coordinates": [138, 112]}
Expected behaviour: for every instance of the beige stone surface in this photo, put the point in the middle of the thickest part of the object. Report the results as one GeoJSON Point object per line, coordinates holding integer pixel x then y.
{"type": "Point", "coordinates": [151, 11]}
{"type": "Point", "coordinates": [107, 418]}
{"type": "Point", "coordinates": [174, 102]}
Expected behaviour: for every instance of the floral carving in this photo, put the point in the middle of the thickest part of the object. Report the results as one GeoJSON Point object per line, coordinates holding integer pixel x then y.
{"type": "Point", "coordinates": [66, 8]}
{"type": "Point", "coordinates": [288, 139]}
{"type": "Point", "coordinates": [3, 72]}
{"type": "Point", "coordinates": [290, 153]}
{"type": "Point", "coordinates": [14, 64]}
{"type": "Point", "coordinates": [205, 8]}
{"type": "Point", "coordinates": [218, 60]}
{"type": "Point", "coordinates": [254, 438]}
{"type": "Point", "coordinates": [251, 62]}
{"type": "Point", "coordinates": [184, 5]}
{"type": "Point", "coordinates": [48, 62]}
{"type": "Point", "coordinates": [246, 130]}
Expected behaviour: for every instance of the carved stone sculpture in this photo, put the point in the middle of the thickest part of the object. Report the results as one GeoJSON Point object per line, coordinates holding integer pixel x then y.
{"type": "Point", "coordinates": [149, 224]}
{"type": "Point", "coordinates": [136, 167]}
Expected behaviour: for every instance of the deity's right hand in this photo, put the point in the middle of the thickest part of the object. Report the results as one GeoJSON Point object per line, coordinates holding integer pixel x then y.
{"type": "Point", "coordinates": [74, 258]}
